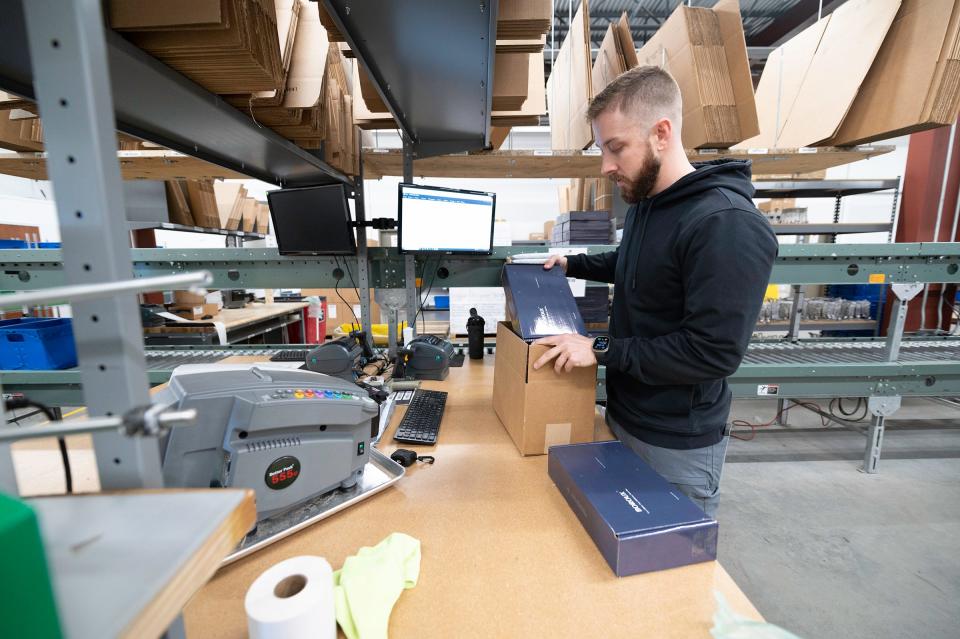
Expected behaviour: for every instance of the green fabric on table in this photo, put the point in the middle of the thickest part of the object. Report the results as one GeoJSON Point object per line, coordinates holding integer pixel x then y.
{"type": "Point", "coordinates": [370, 582]}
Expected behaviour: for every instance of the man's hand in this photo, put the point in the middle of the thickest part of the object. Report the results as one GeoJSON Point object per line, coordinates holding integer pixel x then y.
{"type": "Point", "coordinates": [570, 350]}
{"type": "Point", "coordinates": [555, 260]}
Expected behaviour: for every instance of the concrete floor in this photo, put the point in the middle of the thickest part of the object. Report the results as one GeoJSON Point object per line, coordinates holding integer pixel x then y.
{"type": "Point", "coordinates": [826, 551]}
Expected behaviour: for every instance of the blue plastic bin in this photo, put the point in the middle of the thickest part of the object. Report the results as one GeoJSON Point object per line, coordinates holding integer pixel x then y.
{"type": "Point", "coordinates": [441, 301]}
{"type": "Point", "coordinates": [37, 343]}
{"type": "Point", "coordinates": [13, 244]}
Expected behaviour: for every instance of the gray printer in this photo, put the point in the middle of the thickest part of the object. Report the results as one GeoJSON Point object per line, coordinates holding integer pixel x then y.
{"type": "Point", "coordinates": [427, 357]}
{"type": "Point", "coordinates": [289, 435]}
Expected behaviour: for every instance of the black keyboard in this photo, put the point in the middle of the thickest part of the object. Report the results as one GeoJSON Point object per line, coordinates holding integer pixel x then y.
{"type": "Point", "coordinates": [421, 423]}
{"type": "Point", "coordinates": [295, 355]}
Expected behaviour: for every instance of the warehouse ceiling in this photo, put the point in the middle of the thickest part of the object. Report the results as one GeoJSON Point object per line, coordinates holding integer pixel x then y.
{"type": "Point", "coordinates": [766, 23]}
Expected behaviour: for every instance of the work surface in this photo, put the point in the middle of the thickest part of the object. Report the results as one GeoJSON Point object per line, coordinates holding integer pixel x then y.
{"type": "Point", "coordinates": [236, 317]}
{"type": "Point", "coordinates": [503, 554]}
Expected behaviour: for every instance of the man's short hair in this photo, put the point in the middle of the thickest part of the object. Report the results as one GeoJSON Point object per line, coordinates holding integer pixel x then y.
{"type": "Point", "coordinates": [648, 92]}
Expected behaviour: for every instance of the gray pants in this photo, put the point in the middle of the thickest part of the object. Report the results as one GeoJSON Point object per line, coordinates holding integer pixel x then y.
{"type": "Point", "coordinates": [695, 471]}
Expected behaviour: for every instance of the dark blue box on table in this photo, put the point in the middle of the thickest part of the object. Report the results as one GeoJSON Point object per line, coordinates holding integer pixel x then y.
{"type": "Point", "coordinates": [638, 520]}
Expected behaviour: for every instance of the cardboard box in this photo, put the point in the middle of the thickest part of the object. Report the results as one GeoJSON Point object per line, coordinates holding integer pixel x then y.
{"type": "Point", "coordinates": [913, 82]}
{"type": "Point", "coordinates": [212, 302]}
{"type": "Point", "coordinates": [510, 81]}
{"type": "Point", "coordinates": [705, 51]}
{"type": "Point", "coordinates": [336, 313]}
{"type": "Point", "coordinates": [187, 312]}
{"type": "Point", "coordinates": [638, 520]}
{"type": "Point", "coordinates": [570, 86]}
{"type": "Point", "coordinates": [540, 408]}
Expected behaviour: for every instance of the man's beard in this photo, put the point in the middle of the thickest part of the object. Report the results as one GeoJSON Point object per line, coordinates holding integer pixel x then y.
{"type": "Point", "coordinates": [634, 189]}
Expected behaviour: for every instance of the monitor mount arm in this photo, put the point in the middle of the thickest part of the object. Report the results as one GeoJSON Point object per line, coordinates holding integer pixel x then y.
{"type": "Point", "coordinates": [379, 223]}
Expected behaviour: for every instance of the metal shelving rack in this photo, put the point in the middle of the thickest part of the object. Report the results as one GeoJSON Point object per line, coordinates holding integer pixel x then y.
{"type": "Point", "coordinates": [153, 102]}
{"type": "Point", "coordinates": [233, 238]}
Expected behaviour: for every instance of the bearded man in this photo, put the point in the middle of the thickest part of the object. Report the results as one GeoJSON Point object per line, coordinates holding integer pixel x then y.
{"type": "Point", "coordinates": [689, 278]}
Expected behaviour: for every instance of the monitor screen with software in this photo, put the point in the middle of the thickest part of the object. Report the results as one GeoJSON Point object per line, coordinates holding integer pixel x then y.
{"type": "Point", "coordinates": [313, 220]}
{"type": "Point", "coordinates": [434, 219]}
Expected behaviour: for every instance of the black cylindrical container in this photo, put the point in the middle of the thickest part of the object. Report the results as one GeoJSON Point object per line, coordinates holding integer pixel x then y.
{"type": "Point", "coordinates": [475, 335]}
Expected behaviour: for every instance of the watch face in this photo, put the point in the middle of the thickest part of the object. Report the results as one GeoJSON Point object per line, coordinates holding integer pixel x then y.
{"type": "Point", "coordinates": [601, 343]}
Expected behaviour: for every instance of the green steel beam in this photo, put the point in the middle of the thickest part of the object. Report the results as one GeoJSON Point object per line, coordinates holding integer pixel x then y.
{"type": "Point", "coordinates": [264, 268]}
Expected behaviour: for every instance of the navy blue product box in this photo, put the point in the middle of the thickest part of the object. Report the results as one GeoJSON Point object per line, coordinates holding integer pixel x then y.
{"type": "Point", "coordinates": [540, 302]}
{"type": "Point", "coordinates": [583, 216]}
{"type": "Point", "coordinates": [638, 520]}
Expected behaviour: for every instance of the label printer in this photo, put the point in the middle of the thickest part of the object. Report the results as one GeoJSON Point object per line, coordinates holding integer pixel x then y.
{"type": "Point", "coordinates": [290, 435]}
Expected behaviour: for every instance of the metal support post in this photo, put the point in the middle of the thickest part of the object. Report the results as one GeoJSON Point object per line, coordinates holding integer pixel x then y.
{"type": "Point", "coordinates": [409, 262]}
{"type": "Point", "coordinates": [880, 408]}
{"type": "Point", "coordinates": [793, 334]}
{"type": "Point", "coordinates": [391, 299]}
{"type": "Point", "coordinates": [363, 261]}
{"type": "Point", "coordinates": [836, 216]}
{"type": "Point", "coordinates": [796, 313]}
{"type": "Point", "coordinates": [71, 82]}
{"type": "Point", "coordinates": [8, 476]}
{"type": "Point", "coordinates": [904, 293]}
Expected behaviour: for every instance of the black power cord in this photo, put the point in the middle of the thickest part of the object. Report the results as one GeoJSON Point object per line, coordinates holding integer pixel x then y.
{"type": "Point", "coordinates": [424, 298]}
{"type": "Point", "coordinates": [336, 288]}
{"type": "Point", "coordinates": [15, 403]}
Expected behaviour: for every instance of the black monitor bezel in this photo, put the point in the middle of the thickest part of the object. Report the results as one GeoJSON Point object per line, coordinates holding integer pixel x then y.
{"type": "Point", "coordinates": [346, 207]}
{"type": "Point", "coordinates": [493, 218]}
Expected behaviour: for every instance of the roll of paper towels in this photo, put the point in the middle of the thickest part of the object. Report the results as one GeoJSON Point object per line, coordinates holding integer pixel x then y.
{"type": "Point", "coordinates": [292, 600]}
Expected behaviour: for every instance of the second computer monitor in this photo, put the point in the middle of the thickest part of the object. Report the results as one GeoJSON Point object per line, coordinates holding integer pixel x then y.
{"type": "Point", "coordinates": [434, 219]}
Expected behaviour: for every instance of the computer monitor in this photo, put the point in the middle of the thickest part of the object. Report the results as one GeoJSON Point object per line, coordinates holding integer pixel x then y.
{"type": "Point", "coordinates": [313, 220]}
{"type": "Point", "coordinates": [434, 219]}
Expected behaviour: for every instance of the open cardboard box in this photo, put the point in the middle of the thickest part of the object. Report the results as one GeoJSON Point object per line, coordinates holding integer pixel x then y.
{"type": "Point", "coordinates": [540, 408]}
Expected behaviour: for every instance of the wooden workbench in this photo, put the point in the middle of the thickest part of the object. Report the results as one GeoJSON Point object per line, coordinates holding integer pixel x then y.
{"type": "Point", "coordinates": [503, 554]}
{"type": "Point", "coordinates": [233, 320]}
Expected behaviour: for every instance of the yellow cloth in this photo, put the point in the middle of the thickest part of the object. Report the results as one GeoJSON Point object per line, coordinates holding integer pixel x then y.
{"type": "Point", "coordinates": [370, 582]}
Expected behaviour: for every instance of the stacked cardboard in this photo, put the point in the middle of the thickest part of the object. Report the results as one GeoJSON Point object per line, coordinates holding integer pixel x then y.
{"type": "Point", "coordinates": [333, 33]}
{"type": "Point", "coordinates": [809, 83]}
{"type": "Point", "coordinates": [523, 19]}
{"type": "Point", "coordinates": [367, 115]}
{"type": "Point", "coordinates": [616, 55]}
{"type": "Point", "coordinates": [178, 207]}
{"type": "Point", "coordinates": [914, 81]}
{"type": "Point", "coordinates": [263, 218]}
{"type": "Point", "coordinates": [11, 101]}
{"type": "Point", "coordinates": [586, 194]}
{"type": "Point", "coordinates": [288, 15]}
{"type": "Point", "coordinates": [510, 81]}
{"type": "Point", "coordinates": [534, 45]}
{"type": "Point", "coordinates": [250, 215]}
{"type": "Point", "coordinates": [203, 203]}
{"type": "Point", "coordinates": [580, 228]}
{"type": "Point", "coordinates": [316, 108]}
{"type": "Point", "coordinates": [226, 46]}
{"type": "Point", "coordinates": [570, 86]}
{"type": "Point", "coordinates": [705, 51]}
{"type": "Point", "coordinates": [230, 197]}
{"type": "Point", "coordinates": [20, 134]}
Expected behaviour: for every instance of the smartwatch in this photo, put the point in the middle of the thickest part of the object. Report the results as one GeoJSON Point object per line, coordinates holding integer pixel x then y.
{"type": "Point", "coordinates": [601, 344]}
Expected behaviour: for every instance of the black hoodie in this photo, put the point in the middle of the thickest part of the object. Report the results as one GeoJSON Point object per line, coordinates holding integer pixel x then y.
{"type": "Point", "coordinates": [689, 278]}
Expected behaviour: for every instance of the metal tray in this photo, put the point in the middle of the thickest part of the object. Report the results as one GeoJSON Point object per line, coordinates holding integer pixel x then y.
{"type": "Point", "coordinates": [379, 473]}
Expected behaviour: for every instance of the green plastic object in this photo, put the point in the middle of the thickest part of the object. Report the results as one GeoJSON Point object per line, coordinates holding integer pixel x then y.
{"type": "Point", "coordinates": [27, 607]}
